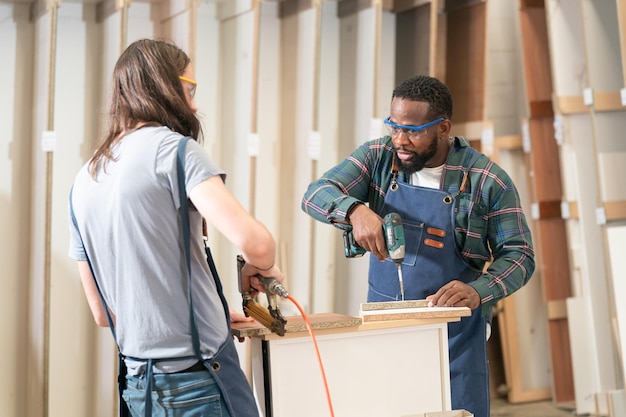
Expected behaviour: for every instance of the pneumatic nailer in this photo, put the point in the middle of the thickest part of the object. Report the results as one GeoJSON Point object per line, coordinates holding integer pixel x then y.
{"type": "Point", "coordinates": [270, 317]}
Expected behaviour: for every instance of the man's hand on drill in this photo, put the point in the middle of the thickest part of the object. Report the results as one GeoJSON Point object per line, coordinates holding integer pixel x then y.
{"type": "Point", "coordinates": [367, 230]}
{"type": "Point", "coordinates": [455, 294]}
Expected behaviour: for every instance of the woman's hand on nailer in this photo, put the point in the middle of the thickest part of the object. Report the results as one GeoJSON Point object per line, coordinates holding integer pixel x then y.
{"type": "Point", "coordinates": [254, 281]}
{"type": "Point", "coordinates": [237, 317]}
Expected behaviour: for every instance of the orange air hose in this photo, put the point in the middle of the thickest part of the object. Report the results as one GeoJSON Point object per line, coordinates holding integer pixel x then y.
{"type": "Point", "coordinates": [317, 351]}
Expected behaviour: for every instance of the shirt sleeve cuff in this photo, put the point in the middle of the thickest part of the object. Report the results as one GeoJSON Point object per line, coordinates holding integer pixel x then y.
{"type": "Point", "coordinates": [485, 293]}
{"type": "Point", "coordinates": [343, 208]}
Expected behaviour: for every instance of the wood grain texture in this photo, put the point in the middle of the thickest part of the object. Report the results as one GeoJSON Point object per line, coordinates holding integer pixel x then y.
{"type": "Point", "coordinates": [415, 313]}
{"type": "Point", "coordinates": [392, 305]}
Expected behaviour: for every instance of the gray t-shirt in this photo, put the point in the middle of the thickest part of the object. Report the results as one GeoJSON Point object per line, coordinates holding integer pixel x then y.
{"type": "Point", "coordinates": [129, 224]}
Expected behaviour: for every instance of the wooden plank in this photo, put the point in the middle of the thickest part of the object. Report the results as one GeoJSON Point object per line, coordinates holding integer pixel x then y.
{"type": "Point", "coordinates": [572, 105]}
{"type": "Point", "coordinates": [615, 210]}
{"type": "Point", "coordinates": [551, 244]}
{"type": "Point", "coordinates": [544, 157]}
{"type": "Point", "coordinates": [550, 240]}
{"type": "Point", "coordinates": [536, 55]}
{"type": "Point", "coordinates": [415, 313]}
{"type": "Point", "coordinates": [563, 374]}
{"type": "Point", "coordinates": [607, 101]}
{"type": "Point", "coordinates": [549, 209]}
{"type": "Point", "coordinates": [557, 309]}
{"type": "Point", "coordinates": [541, 108]}
{"type": "Point", "coordinates": [508, 142]}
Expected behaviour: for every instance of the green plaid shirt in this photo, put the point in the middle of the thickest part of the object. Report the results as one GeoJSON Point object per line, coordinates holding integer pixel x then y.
{"type": "Point", "coordinates": [488, 214]}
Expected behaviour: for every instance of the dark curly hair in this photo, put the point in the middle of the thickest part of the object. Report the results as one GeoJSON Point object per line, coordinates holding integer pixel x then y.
{"type": "Point", "coordinates": [430, 90]}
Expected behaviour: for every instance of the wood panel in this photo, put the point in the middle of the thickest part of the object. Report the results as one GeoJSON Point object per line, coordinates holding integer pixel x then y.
{"type": "Point", "coordinates": [465, 61]}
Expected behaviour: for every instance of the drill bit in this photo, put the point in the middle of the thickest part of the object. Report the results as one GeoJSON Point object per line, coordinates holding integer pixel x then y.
{"type": "Point", "coordinates": [400, 281]}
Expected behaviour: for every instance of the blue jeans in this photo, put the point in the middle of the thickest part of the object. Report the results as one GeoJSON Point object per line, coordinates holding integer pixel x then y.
{"type": "Point", "coordinates": [189, 394]}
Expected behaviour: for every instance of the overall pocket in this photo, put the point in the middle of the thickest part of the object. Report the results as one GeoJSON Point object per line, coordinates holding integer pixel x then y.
{"type": "Point", "coordinates": [413, 232]}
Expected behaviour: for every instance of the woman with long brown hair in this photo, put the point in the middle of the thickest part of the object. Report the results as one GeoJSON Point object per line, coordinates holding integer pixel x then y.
{"type": "Point", "coordinates": [144, 271]}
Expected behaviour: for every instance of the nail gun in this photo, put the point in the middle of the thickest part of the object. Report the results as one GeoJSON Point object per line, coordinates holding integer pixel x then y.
{"type": "Point", "coordinates": [393, 231]}
{"type": "Point", "coordinates": [270, 317]}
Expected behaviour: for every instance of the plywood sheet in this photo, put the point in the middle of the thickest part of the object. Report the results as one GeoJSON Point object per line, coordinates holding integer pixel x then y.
{"type": "Point", "coordinates": [415, 313]}
{"type": "Point", "coordinates": [296, 324]}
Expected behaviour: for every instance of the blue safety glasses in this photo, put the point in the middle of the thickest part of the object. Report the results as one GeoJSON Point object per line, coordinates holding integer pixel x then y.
{"type": "Point", "coordinates": [413, 132]}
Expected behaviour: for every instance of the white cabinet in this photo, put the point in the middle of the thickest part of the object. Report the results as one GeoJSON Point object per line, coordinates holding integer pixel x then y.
{"type": "Point", "coordinates": [376, 369]}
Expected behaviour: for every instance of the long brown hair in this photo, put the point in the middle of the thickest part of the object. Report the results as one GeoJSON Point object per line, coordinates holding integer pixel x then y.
{"type": "Point", "coordinates": [146, 90]}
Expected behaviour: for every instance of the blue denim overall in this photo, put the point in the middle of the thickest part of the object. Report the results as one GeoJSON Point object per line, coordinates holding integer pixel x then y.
{"type": "Point", "coordinates": [432, 260]}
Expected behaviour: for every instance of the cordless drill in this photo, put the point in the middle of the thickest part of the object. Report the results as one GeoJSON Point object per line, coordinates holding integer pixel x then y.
{"type": "Point", "coordinates": [393, 232]}
{"type": "Point", "coordinates": [394, 238]}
